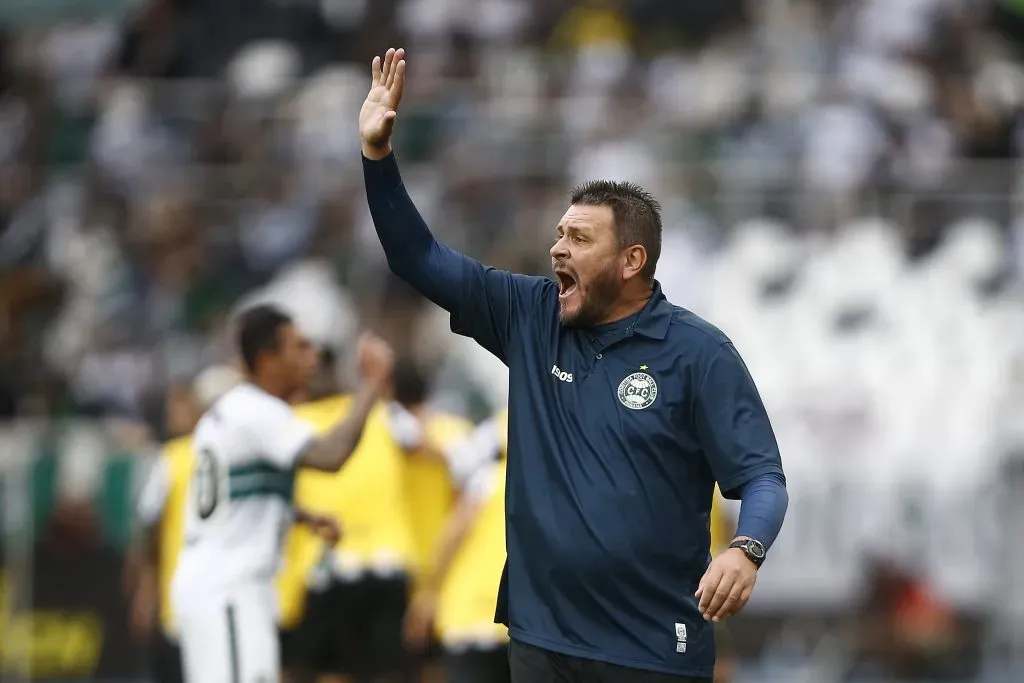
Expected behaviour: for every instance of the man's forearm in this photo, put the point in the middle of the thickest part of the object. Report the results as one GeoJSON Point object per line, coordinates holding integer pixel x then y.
{"type": "Point", "coordinates": [764, 501]}
{"type": "Point", "coordinates": [412, 252]}
{"type": "Point", "coordinates": [448, 544]}
{"type": "Point", "coordinates": [332, 451]}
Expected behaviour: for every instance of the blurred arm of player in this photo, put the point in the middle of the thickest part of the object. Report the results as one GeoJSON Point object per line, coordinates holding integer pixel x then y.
{"type": "Point", "coordinates": [468, 465]}
{"type": "Point", "coordinates": [333, 450]}
{"type": "Point", "coordinates": [143, 558]}
{"type": "Point", "coordinates": [419, 618]}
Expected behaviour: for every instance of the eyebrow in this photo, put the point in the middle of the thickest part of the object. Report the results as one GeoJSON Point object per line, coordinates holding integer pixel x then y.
{"type": "Point", "coordinates": [573, 227]}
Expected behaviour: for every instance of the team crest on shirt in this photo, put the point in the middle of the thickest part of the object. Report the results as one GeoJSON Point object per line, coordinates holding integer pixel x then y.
{"type": "Point", "coordinates": [638, 391]}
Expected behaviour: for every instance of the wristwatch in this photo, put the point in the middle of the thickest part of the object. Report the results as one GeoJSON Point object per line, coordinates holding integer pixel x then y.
{"type": "Point", "coordinates": [754, 550]}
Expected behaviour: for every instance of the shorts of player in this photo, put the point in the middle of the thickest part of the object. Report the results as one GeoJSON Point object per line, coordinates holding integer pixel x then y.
{"type": "Point", "coordinates": [165, 659]}
{"type": "Point", "coordinates": [477, 664]}
{"type": "Point", "coordinates": [229, 637]}
{"type": "Point", "coordinates": [352, 628]}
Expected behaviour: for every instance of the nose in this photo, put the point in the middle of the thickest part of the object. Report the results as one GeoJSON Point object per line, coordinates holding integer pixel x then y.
{"type": "Point", "coordinates": [560, 249]}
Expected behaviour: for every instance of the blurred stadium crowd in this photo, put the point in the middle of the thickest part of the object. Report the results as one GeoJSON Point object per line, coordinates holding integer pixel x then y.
{"type": "Point", "coordinates": [840, 180]}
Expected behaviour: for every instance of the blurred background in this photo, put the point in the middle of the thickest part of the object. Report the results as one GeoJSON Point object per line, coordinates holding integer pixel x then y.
{"type": "Point", "coordinates": [841, 183]}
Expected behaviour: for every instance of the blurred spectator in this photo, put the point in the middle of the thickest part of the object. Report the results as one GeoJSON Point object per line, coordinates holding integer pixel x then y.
{"type": "Point", "coordinates": [905, 627]}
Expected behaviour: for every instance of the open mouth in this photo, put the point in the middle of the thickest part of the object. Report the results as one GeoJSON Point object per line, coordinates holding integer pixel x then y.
{"type": "Point", "coordinates": [567, 285]}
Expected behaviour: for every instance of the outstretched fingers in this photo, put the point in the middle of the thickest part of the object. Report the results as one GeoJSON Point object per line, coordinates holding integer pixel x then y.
{"type": "Point", "coordinates": [397, 84]}
{"type": "Point", "coordinates": [391, 73]}
{"type": "Point", "coordinates": [389, 64]}
{"type": "Point", "coordinates": [375, 71]}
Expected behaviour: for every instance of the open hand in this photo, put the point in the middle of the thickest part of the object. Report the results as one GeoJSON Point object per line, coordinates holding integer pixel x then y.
{"type": "Point", "coordinates": [377, 116]}
{"type": "Point", "coordinates": [726, 586]}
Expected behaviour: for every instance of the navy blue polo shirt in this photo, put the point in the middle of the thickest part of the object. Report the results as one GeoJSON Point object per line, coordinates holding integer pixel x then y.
{"type": "Point", "coordinates": [617, 436]}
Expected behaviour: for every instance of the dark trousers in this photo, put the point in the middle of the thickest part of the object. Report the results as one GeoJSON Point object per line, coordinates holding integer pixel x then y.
{"type": "Point", "coordinates": [478, 666]}
{"type": "Point", "coordinates": [533, 665]}
{"type": "Point", "coordinates": [165, 660]}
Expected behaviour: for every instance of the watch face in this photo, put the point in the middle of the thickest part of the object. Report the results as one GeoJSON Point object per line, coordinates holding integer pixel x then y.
{"type": "Point", "coordinates": [756, 549]}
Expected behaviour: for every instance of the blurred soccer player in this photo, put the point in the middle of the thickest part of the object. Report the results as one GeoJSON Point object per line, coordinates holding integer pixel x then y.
{"type": "Point", "coordinates": [624, 412]}
{"type": "Point", "coordinates": [425, 435]}
{"type": "Point", "coordinates": [160, 519]}
{"type": "Point", "coordinates": [238, 509]}
{"type": "Point", "coordinates": [457, 593]}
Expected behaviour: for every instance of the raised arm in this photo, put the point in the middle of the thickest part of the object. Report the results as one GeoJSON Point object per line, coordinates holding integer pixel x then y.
{"type": "Point", "coordinates": [486, 303]}
{"type": "Point", "coordinates": [331, 451]}
{"type": "Point", "coordinates": [412, 252]}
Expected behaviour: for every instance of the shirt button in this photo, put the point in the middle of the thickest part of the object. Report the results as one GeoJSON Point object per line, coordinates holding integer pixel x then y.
{"type": "Point", "coordinates": [600, 356]}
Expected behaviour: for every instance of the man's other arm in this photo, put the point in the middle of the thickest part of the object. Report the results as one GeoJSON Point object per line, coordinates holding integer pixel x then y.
{"type": "Point", "coordinates": [740, 445]}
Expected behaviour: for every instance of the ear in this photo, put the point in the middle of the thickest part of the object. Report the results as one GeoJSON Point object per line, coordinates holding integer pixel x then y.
{"type": "Point", "coordinates": [634, 262]}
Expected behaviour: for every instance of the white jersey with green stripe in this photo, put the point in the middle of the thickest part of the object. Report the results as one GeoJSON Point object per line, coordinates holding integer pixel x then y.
{"type": "Point", "coordinates": [239, 507]}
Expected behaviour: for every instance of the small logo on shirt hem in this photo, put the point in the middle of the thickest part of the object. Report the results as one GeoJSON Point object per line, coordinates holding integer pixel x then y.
{"type": "Point", "coordinates": [638, 391]}
{"type": "Point", "coordinates": [680, 637]}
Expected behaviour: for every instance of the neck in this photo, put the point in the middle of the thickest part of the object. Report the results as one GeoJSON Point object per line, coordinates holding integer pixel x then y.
{"type": "Point", "coordinates": [630, 303]}
{"type": "Point", "coordinates": [273, 388]}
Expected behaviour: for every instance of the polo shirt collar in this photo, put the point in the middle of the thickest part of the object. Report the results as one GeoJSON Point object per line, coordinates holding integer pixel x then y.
{"type": "Point", "coordinates": [655, 317]}
{"type": "Point", "coordinates": [652, 321]}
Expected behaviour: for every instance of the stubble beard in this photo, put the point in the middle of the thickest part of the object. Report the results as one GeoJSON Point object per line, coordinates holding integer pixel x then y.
{"type": "Point", "coordinates": [596, 300]}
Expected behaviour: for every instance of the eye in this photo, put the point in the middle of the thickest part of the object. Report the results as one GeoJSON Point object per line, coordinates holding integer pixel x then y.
{"type": "Point", "coordinates": [578, 239]}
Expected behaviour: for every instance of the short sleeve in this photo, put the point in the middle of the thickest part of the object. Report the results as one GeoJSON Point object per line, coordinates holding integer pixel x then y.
{"type": "Point", "coordinates": [481, 485]}
{"type": "Point", "coordinates": [732, 424]}
{"type": "Point", "coordinates": [468, 457]}
{"type": "Point", "coordinates": [281, 436]}
{"type": "Point", "coordinates": [494, 303]}
{"type": "Point", "coordinates": [150, 506]}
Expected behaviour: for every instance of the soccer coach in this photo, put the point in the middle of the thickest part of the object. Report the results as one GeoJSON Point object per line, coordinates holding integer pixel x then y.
{"type": "Point", "coordinates": [624, 411]}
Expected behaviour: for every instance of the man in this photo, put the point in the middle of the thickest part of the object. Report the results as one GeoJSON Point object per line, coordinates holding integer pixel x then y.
{"type": "Point", "coordinates": [457, 592]}
{"type": "Point", "coordinates": [247, 447]}
{"type": "Point", "coordinates": [160, 517]}
{"type": "Point", "coordinates": [624, 412]}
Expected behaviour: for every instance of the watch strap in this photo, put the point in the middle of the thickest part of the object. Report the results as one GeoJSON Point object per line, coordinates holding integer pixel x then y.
{"type": "Point", "coordinates": [754, 550]}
